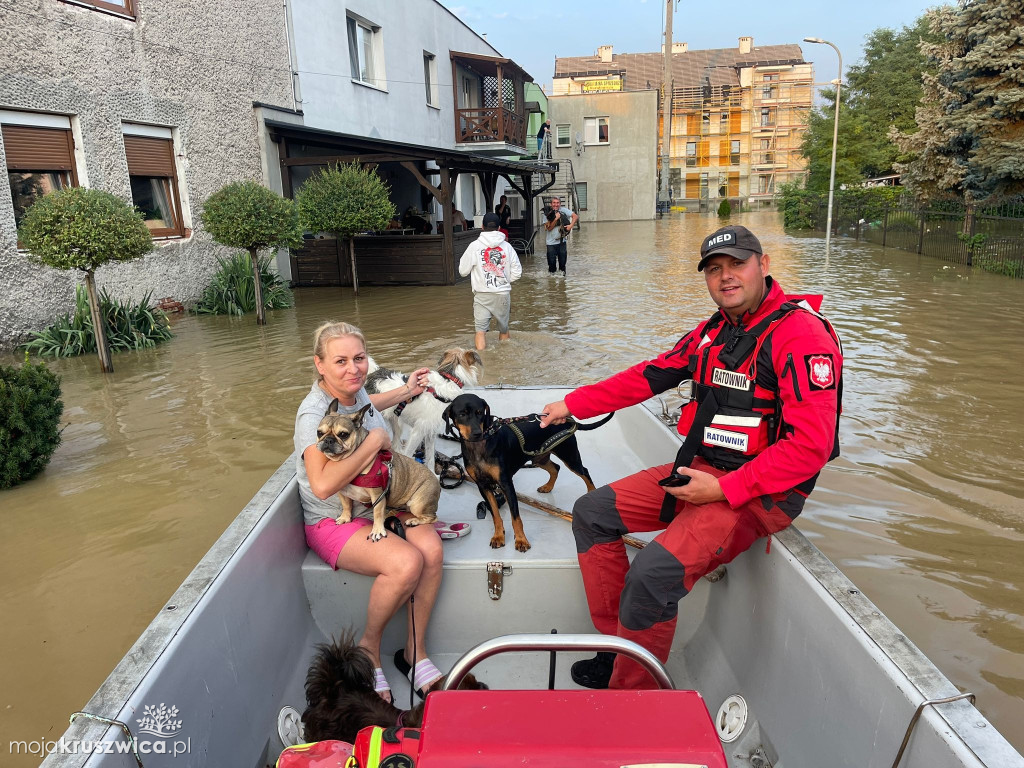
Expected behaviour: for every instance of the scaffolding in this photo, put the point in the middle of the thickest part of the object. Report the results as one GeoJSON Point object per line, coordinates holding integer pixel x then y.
{"type": "Point", "coordinates": [733, 140]}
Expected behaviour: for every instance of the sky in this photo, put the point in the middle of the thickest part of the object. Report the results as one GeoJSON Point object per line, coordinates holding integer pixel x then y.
{"type": "Point", "coordinates": [534, 33]}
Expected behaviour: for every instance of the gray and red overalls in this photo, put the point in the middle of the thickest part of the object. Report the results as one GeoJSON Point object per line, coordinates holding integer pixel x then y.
{"type": "Point", "coordinates": [775, 380]}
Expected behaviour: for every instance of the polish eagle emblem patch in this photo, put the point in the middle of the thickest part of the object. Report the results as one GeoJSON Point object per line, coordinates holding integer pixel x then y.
{"type": "Point", "coordinates": [821, 371]}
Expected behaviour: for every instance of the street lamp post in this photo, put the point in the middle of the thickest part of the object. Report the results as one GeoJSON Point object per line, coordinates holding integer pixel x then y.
{"type": "Point", "coordinates": [835, 139]}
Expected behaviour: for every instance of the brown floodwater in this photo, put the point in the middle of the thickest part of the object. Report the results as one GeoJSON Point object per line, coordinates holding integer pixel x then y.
{"type": "Point", "coordinates": [923, 511]}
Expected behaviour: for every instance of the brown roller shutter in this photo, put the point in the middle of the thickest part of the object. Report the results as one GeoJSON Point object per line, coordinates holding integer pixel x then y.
{"type": "Point", "coordinates": [149, 157]}
{"type": "Point", "coordinates": [38, 149]}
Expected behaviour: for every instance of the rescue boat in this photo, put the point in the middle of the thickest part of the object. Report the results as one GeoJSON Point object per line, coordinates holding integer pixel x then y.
{"type": "Point", "coordinates": [782, 662]}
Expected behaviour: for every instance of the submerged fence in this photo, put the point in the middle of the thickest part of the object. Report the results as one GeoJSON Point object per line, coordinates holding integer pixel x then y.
{"type": "Point", "coordinates": [990, 237]}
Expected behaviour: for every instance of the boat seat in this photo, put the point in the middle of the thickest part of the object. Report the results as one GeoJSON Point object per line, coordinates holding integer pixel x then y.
{"type": "Point", "coordinates": [549, 568]}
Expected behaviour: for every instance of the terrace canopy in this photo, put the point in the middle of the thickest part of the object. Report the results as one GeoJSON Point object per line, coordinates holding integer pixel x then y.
{"type": "Point", "coordinates": [423, 259]}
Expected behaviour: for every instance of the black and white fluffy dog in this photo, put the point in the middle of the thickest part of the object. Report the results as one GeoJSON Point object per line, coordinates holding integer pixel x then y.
{"type": "Point", "coordinates": [424, 414]}
{"type": "Point", "coordinates": [340, 700]}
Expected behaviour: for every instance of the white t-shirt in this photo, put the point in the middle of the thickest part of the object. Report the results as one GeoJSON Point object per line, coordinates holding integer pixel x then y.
{"type": "Point", "coordinates": [311, 411]}
{"type": "Point", "coordinates": [554, 236]}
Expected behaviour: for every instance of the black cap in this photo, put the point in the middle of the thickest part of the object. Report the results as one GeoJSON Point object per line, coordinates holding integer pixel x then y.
{"type": "Point", "coordinates": [736, 241]}
{"type": "Point", "coordinates": [491, 221]}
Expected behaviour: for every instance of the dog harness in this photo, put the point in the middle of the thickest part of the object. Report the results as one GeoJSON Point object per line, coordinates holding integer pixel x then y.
{"type": "Point", "coordinates": [379, 475]}
{"type": "Point", "coordinates": [550, 442]}
{"type": "Point", "coordinates": [453, 379]}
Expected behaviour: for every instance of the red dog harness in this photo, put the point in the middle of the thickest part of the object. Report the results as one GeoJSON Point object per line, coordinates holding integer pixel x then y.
{"type": "Point", "coordinates": [379, 474]}
{"type": "Point", "coordinates": [453, 379]}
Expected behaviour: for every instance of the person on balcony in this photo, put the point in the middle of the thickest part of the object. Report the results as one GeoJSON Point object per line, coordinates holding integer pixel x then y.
{"type": "Point", "coordinates": [545, 130]}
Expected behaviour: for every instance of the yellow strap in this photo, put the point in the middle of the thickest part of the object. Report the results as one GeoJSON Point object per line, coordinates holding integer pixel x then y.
{"type": "Point", "coordinates": [373, 759]}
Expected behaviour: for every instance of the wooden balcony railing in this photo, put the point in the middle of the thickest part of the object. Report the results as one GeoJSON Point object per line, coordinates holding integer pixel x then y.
{"type": "Point", "coordinates": [490, 124]}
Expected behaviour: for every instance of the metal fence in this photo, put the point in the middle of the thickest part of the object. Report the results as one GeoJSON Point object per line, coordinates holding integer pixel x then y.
{"type": "Point", "coordinates": [990, 237]}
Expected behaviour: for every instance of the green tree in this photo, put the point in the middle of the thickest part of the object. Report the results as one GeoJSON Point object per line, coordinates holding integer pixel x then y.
{"type": "Point", "coordinates": [880, 92]}
{"type": "Point", "coordinates": [246, 215]}
{"type": "Point", "coordinates": [345, 200]}
{"type": "Point", "coordinates": [969, 138]}
{"type": "Point", "coordinates": [77, 228]}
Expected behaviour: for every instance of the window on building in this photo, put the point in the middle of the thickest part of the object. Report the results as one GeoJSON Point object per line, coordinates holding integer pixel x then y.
{"type": "Point", "coordinates": [723, 185]}
{"type": "Point", "coordinates": [765, 185]}
{"type": "Point", "coordinates": [691, 154]}
{"type": "Point", "coordinates": [766, 155]}
{"type": "Point", "coordinates": [366, 52]}
{"type": "Point", "coordinates": [769, 89]}
{"type": "Point", "coordinates": [430, 78]}
{"type": "Point", "coordinates": [595, 130]}
{"type": "Point", "coordinates": [723, 123]}
{"type": "Point", "coordinates": [581, 195]}
{"type": "Point", "coordinates": [562, 137]}
{"type": "Point", "coordinates": [154, 178]}
{"type": "Point", "coordinates": [120, 7]}
{"type": "Point", "coordinates": [734, 152]}
{"type": "Point", "coordinates": [703, 186]}
{"type": "Point", "coordinates": [705, 123]}
{"type": "Point", "coordinates": [767, 116]}
{"type": "Point", "coordinates": [40, 153]}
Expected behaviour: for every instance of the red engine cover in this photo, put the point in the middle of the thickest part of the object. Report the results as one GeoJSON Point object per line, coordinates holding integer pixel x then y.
{"type": "Point", "coordinates": [464, 729]}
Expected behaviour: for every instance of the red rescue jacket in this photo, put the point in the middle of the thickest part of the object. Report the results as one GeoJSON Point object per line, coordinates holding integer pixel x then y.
{"type": "Point", "coordinates": [776, 424]}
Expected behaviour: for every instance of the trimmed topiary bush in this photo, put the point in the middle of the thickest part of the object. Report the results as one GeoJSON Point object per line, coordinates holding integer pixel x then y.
{"type": "Point", "coordinates": [77, 228]}
{"type": "Point", "coordinates": [232, 290]}
{"type": "Point", "coordinates": [247, 215]}
{"type": "Point", "coordinates": [724, 209]}
{"type": "Point", "coordinates": [30, 411]}
{"type": "Point", "coordinates": [345, 200]}
{"type": "Point", "coordinates": [128, 326]}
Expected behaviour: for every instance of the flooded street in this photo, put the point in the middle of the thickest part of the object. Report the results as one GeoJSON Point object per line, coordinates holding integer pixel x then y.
{"type": "Point", "coordinates": [924, 511]}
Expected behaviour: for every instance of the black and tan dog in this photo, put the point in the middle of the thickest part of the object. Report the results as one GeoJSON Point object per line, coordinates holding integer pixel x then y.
{"type": "Point", "coordinates": [340, 700]}
{"type": "Point", "coordinates": [494, 450]}
{"type": "Point", "coordinates": [407, 484]}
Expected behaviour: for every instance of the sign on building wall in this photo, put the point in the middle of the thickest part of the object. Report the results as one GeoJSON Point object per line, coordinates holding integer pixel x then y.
{"type": "Point", "coordinates": [601, 86]}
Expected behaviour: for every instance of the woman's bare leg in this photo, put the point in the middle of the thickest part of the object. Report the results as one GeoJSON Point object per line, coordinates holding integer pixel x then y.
{"type": "Point", "coordinates": [397, 566]}
{"type": "Point", "coordinates": [425, 539]}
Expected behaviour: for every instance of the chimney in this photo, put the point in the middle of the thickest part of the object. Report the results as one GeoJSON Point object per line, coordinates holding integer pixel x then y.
{"type": "Point", "coordinates": [746, 44]}
{"type": "Point", "coordinates": [604, 53]}
{"type": "Point", "coordinates": [680, 47]}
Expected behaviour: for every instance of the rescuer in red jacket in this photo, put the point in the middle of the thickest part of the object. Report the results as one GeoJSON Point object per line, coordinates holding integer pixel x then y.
{"type": "Point", "coordinates": [763, 420]}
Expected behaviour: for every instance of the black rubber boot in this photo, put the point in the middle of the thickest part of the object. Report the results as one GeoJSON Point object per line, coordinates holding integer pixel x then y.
{"type": "Point", "coordinates": [595, 672]}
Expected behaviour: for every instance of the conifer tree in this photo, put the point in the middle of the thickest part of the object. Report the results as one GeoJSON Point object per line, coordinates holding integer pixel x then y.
{"type": "Point", "coordinates": [970, 137]}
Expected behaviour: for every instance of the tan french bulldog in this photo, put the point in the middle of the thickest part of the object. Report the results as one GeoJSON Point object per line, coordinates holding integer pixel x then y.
{"type": "Point", "coordinates": [411, 486]}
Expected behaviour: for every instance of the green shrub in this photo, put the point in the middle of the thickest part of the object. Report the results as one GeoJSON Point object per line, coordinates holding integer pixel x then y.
{"type": "Point", "coordinates": [128, 326]}
{"type": "Point", "coordinates": [232, 290]}
{"type": "Point", "coordinates": [998, 266]}
{"type": "Point", "coordinates": [724, 209]}
{"type": "Point", "coordinates": [799, 206]}
{"type": "Point", "coordinates": [30, 411]}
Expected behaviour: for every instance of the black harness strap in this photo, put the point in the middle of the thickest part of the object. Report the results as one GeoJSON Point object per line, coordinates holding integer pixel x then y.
{"type": "Point", "coordinates": [688, 450]}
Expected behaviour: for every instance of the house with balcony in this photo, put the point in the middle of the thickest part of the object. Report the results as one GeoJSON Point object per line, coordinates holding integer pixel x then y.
{"type": "Point", "coordinates": [408, 87]}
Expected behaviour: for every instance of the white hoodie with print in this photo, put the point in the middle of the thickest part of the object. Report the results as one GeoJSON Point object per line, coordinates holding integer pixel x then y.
{"type": "Point", "coordinates": [493, 264]}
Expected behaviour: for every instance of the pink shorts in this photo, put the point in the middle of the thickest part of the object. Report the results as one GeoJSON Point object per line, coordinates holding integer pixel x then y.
{"type": "Point", "coordinates": [327, 538]}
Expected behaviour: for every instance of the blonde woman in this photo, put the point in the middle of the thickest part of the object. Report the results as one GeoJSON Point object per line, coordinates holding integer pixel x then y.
{"type": "Point", "coordinates": [400, 567]}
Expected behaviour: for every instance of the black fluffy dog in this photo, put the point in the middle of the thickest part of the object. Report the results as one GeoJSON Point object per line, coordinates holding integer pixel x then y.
{"type": "Point", "coordinates": [340, 700]}
{"type": "Point", "coordinates": [494, 450]}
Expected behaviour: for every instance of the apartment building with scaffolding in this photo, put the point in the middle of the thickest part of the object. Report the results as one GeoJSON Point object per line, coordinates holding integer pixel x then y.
{"type": "Point", "coordinates": [738, 114]}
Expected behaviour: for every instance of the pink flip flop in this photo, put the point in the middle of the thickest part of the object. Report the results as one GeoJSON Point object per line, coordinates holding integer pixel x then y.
{"type": "Point", "coordinates": [451, 530]}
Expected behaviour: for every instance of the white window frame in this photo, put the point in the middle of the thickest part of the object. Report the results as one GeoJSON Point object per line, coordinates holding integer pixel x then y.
{"type": "Point", "coordinates": [567, 136]}
{"type": "Point", "coordinates": [368, 53]}
{"type": "Point", "coordinates": [582, 200]}
{"type": "Point", "coordinates": [592, 130]}
{"type": "Point", "coordinates": [431, 90]}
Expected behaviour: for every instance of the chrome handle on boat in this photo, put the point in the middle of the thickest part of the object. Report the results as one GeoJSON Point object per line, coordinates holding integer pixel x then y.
{"type": "Point", "coordinates": [538, 642]}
